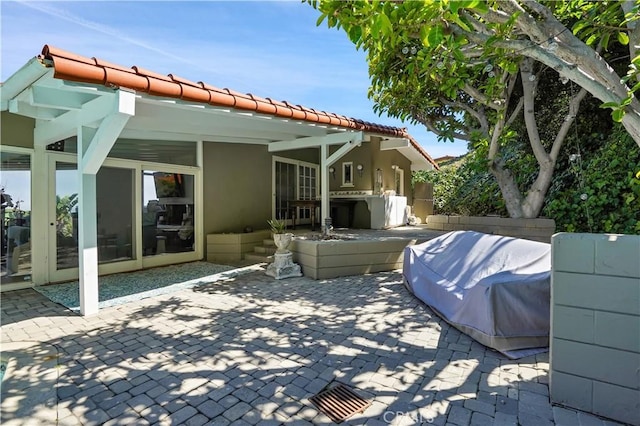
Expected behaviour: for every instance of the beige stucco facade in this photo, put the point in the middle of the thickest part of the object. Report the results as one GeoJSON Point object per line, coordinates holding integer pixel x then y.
{"type": "Point", "coordinates": [16, 130]}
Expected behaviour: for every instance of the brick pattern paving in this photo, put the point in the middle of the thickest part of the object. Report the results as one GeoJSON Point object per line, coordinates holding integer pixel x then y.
{"type": "Point", "coordinates": [252, 350]}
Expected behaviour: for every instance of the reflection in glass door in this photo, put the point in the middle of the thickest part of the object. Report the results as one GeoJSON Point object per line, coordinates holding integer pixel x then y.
{"type": "Point", "coordinates": [307, 190]}
{"type": "Point", "coordinates": [115, 213]}
{"type": "Point", "coordinates": [15, 219]}
{"type": "Point", "coordinates": [168, 214]}
{"type": "Point", "coordinates": [66, 216]}
{"type": "Point", "coordinates": [114, 204]}
{"type": "Point", "coordinates": [285, 188]}
{"type": "Point", "coordinates": [294, 180]}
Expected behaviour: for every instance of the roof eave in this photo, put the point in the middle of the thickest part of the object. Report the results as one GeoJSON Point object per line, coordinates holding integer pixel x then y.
{"type": "Point", "coordinates": [28, 74]}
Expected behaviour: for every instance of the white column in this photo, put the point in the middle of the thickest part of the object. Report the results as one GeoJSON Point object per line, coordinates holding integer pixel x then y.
{"type": "Point", "coordinates": [324, 185]}
{"type": "Point", "coordinates": [87, 230]}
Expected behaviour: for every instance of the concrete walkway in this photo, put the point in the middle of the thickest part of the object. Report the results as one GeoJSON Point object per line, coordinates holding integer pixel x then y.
{"type": "Point", "coordinates": [252, 350]}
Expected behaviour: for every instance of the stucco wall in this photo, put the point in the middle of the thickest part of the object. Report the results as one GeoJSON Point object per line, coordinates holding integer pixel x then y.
{"type": "Point", "coordinates": [358, 155]}
{"type": "Point", "coordinates": [16, 130]}
{"type": "Point", "coordinates": [383, 160]}
{"type": "Point", "coordinates": [237, 187]}
{"type": "Point", "coordinates": [595, 331]}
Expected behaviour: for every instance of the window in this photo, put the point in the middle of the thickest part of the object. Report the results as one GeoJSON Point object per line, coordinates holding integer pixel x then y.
{"type": "Point", "coordinates": [167, 212]}
{"type": "Point", "coordinates": [347, 173]}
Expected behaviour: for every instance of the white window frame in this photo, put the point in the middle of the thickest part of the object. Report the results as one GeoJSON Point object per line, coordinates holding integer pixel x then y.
{"type": "Point", "coordinates": [347, 165]}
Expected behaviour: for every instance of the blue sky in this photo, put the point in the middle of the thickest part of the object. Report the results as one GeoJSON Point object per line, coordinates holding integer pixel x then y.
{"type": "Point", "coordinates": [269, 48]}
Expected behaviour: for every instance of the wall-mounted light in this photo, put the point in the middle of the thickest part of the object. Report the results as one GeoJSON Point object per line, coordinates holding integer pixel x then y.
{"type": "Point", "coordinates": [394, 167]}
{"type": "Point", "coordinates": [360, 168]}
{"type": "Point", "coordinates": [332, 171]}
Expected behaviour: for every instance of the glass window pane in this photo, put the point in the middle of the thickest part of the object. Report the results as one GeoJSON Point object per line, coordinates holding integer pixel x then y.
{"type": "Point", "coordinates": [115, 195]}
{"type": "Point", "coordinates": [167, 212]}
{"type": "Point", "coordinates": [15, 225]}
{"type": "Point", "coordinates": [66, 215]}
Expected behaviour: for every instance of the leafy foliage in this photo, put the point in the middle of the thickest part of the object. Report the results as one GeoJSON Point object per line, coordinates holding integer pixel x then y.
{"type": "Point", "coordinates": [607, 171]}
{"type": "Point", "coordinates": [600, 193]}
{"type": "Point", "coordinates": [464, 69]}
{"type": "Point", "coordinates": [461, 188]}
{"type": "Point", "coordinates": [64, 208]}
{"type": "Point", "coordinates": [277, 226]}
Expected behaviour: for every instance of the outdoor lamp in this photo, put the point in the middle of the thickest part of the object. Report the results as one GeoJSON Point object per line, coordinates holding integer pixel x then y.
{"type": "Point", "coordinates": [360, 168]}
{"type": "Point", "coordinates": [332, 171]}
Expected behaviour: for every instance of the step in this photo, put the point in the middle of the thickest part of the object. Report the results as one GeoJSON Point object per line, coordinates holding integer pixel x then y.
{"type": "Point", "coordinates": [265, 250]}
{"type": "Point", "coordinates": [258, 258]}
{"type": "Point", "coordinates": [268, 243]}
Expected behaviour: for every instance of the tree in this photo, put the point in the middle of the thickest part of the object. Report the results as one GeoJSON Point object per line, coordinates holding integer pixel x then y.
{"type": "Point", "coordinates": [64, 210]}
{"type": "Point", "coordinates": [468, 69]}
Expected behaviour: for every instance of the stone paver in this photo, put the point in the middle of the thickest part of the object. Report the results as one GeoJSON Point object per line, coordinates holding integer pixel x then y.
{"type": "Point", "coordinates": [252, 350]}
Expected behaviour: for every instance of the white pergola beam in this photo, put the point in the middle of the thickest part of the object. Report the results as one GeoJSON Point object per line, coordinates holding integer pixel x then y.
{"type": "Point", "coordinates": [55, 98]}
{"type": "Point", "coordinates": [39, 113]}
{"type": "Point", "coordinates": [342, 151]}
{"type": "Point", "coordinates": [204, 126]}
{"type": "Point", "coordinates": [315, 141]}
{"type": "Point", "coordinates": [107, 133]}
{"type": "Point", "coordinates": [394, 143]}
{"type": "Point", "coordinates": [24, 77]}
{"type": "Point", "coordinates": [66, 125]}
{"type": "Point", "coordinates": [227, 118]}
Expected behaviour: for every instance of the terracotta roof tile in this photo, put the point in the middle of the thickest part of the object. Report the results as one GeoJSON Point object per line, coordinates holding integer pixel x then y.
{"type": "Point", "coordinates": [152, 74]}
{"type": "Point", "coordinates": [73, 67]}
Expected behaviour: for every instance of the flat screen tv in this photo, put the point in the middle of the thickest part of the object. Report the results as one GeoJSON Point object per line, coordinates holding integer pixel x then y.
{"type": "Point", "coordinates": [169, 185]}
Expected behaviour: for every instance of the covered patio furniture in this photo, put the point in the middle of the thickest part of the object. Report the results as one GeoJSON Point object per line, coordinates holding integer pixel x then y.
{"type": "Point", "coordinates": [496, 289]}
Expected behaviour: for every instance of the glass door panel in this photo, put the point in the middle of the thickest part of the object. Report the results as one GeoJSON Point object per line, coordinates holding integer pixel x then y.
{"type": "Point", "coordinates": [15, 220]}
{"type": "Point", "coordinates": [66, 215]}
{"type": "Point", "coordinates": [307, 190]}
{"type": "Point", "coordinates": [115, 217]}
{"type": "Point", "coordinates": [285, 188]}
{"type": "Point", "coordinates": [114, 204]}
{"type": "Point", "coordinates": [168, 214]}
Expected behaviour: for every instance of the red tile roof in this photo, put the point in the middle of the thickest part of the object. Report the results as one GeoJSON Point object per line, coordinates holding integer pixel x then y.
{"type": "Point", "coordinates": [72, 67]}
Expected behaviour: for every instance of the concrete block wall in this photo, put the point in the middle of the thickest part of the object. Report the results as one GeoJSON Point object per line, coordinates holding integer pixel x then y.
{"type": "Point", "coordinates": [595, 324]}
{"type": "Point", "coordinates": [530, 229]}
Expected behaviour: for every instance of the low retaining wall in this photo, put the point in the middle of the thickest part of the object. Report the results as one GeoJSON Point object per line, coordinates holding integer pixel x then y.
{"type": "Point", "coordinates": [530, 229]}
{"type": "Point", "coordinates": [331, 259]}
{"type": "Point", "coordinates": [595, 324]}
{"type": "Point", "coordinates": [232, 247]}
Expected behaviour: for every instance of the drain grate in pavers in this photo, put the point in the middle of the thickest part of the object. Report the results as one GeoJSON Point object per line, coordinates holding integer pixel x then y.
{"type": "Point", "coordinates": [339, 403]}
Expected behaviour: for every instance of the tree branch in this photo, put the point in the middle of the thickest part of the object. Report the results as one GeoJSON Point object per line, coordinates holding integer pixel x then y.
{"type": "Point", "coordinates": [428, 123]}
{"type": "Point", "coordinates": [515, 112]}
{"type": "Point", "coordinates": [634, 30]}
{"type": "Point", "coordinates": [528, 89]}
{"type": "Point", "coordinates": [480, 97]}
{"type": "Point", "coordinates": [478, 115]}
{"type": "Point", "coordinates": [574, 105]}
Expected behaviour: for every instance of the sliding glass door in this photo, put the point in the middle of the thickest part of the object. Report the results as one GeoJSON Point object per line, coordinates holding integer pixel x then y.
{"type": "Point", "coordinates": [115, 219]}
{"type": "Point", "coordinates": [15, 219]}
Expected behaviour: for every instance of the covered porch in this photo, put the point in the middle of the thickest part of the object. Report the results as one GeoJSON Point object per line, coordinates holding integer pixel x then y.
{"type": "Point", "coordinates": [208, 157]}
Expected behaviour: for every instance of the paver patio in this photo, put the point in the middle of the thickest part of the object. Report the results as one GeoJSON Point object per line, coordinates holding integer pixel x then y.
{"type": "Point", "coordinates": [252, 350]}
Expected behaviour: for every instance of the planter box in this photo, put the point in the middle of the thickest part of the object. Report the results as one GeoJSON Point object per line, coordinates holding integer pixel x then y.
{"type": "Point", "coordinates": [232, 247]}
{"type": "Point", "coordinates": [531, 229]}
{"type": "Point", "coordinates": [339, 258]}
